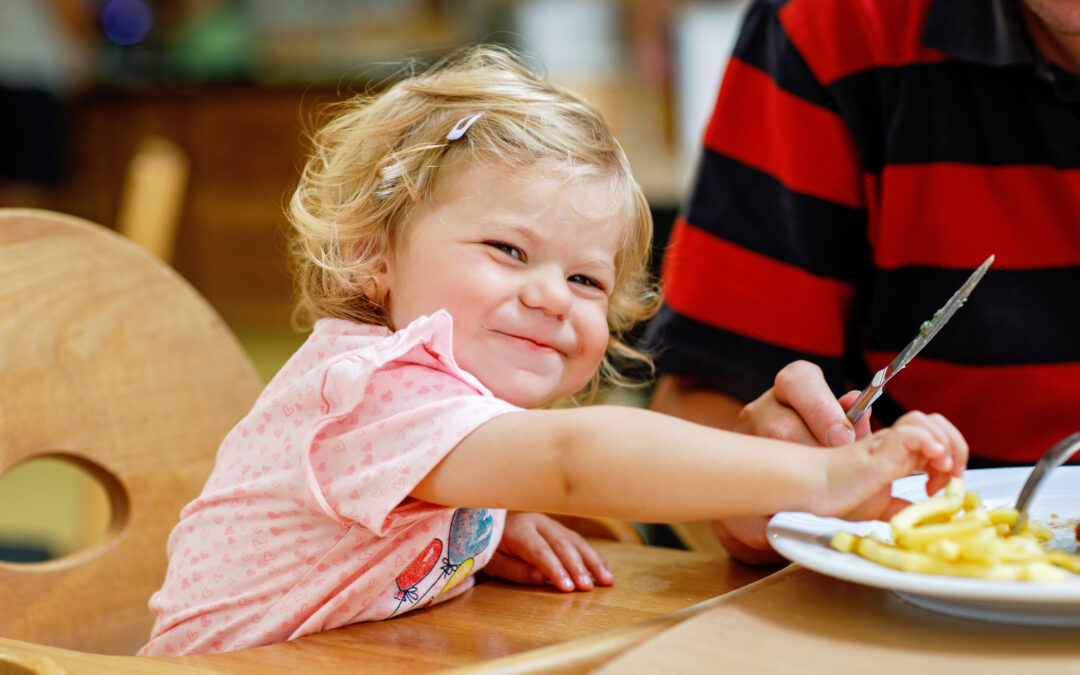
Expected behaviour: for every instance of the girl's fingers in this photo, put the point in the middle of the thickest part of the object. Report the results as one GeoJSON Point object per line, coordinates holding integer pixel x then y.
{"type": "Point", "coordinates": [514, 570]}
{"type": "Point", "coordinates": [526, 542]}
{"type": "Point", "coordinates": [601, 573]}
{"type": "Point", "coordinates": [936, 481]}
{"type": "Point", "coordinates": [567, 545]}
{"type": "Point", "coordinates": [954, 440]}
{"type": "Point", "coordinates": [551, 564]}
{"type": "Point", "coordinates": [553, 550]}
{"type": "Point", "coordinates": [955, 448]}
{"type": "Point", "coordinates": [596, 568]}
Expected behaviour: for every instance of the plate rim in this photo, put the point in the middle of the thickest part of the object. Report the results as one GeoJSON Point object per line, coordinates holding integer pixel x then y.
{"type": "Point", "coordinates": [868, 573]}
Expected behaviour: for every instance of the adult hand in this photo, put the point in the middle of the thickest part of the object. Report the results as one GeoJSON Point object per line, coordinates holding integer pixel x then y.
{"type": "Point", "coordinates": [799, 408]}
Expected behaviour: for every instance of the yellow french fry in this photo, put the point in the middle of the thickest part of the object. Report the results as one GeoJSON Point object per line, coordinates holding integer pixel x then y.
{"type": "Point", "coordinates": [955, 487]}
{"type": "Point", "coordinates": [1036, 529]}
{"type": "Point", "coordinates": [942, 505]}
{"type": "Point", "coordinates": [1005, 515]}
{"type": "Point", "coordinates": [844, 541]}
{"type": "Point", "coordinates": [954, 534]}
{"type": "Point", "coordinates": [1068, 561]}
{"type": "Point", "coordinates": [972, 501]}
{"type": "Point", "coordinates": [920, 537]}
{"type": "Point", "coordinates": [915, 561]}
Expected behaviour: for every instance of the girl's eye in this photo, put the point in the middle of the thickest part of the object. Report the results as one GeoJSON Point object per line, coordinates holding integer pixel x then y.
{"type": "Point", "coordinates": [512, 251]}
{"type": "Point", "coordinates": [585, 281]}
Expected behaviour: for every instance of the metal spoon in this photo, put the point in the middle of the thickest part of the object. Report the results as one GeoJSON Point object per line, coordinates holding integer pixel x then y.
{"type": "Point", "coordinates": [1054, 457]}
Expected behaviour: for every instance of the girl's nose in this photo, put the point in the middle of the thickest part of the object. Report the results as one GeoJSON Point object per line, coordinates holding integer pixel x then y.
{"type": "Point", "coordinates": [547, 289]}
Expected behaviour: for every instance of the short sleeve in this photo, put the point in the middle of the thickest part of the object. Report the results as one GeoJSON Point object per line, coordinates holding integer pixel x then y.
{"type": "Point", "coordinates": [365, 462]}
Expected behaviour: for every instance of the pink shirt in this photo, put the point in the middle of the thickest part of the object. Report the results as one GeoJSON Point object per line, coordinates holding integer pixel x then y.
{"type": "Point", "coordinates": [305, 523]}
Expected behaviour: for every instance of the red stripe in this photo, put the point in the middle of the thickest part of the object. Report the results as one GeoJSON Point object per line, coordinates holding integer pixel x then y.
{"type": "Point", "coordinates": [806, 147]}
{"type": "Point", "coordinates": [1009, 413]}
{"type": "Point", "coordinates": [841, 37]}
{"type": "Point", "coordinates": [955, 215]}
{"type": "Point", "coordinates": [760, 297]}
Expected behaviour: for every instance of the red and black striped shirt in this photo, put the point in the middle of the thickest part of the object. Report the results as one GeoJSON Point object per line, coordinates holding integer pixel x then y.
{"type": "Point", "coordinates": [862, 159]}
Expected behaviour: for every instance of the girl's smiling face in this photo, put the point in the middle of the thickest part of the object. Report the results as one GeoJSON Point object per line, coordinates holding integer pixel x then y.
{"type": "Point", "coordinates": [524, 262]}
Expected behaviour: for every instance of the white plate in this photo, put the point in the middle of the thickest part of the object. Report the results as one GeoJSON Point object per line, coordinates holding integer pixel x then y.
{"type": "Point", "coordinates": [804, 538]}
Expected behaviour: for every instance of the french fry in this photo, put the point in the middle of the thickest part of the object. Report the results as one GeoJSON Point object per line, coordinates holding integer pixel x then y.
{"type": "Point", "coordinates": [1005, 515]}
{"type": "Point", "coordinates": [971, 500]}
{"type": "Point", "coordinates": [915, 561]}
{"type": "Point", "coordinates": [1064, 560]}
{"type": "Point", "coordinates": [918, 538]}
{"type": "Point", "coordinates": [942, 505]}
{"type": "Point", "coordinates": [844, 541]}
{"type": "Point", "coordinates": [953, 534]}
{"type": "Point", "coordinates": [1037, 530]}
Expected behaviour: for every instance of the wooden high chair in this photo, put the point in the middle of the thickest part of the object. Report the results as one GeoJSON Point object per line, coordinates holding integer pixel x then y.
{"type": "Point", "coordinates": [110, 360]}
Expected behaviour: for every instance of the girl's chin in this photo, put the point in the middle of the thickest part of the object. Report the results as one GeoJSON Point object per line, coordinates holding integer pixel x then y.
{"type": "Point", "coordinates": [528, 389]}
{"type": "Point", "coordinates": [524, 396]}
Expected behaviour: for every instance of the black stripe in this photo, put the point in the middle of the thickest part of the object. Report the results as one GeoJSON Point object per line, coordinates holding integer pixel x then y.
{"type": "Point", "coordinates": [763, 43]}
{"type": "Point", "coordinates": [736, 365]}
{"type": "Point", "coordinates": [958, 112]}
{"type": "Point", "coordinates": [1013, 317]}
{"type": "Point", "coordinates": [752, 209]}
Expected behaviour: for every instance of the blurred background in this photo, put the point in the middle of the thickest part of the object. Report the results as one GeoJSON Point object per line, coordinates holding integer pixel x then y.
{"type": "Point", "coordinates": [181, 123]}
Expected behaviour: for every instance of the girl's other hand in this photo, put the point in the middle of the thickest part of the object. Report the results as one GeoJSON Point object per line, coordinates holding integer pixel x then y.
{"type": "Point", "coordinates": [535, 549]}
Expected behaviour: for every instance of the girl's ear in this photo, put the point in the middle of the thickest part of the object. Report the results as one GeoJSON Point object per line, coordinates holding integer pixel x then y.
{"type": "Point", "coordinates": [377, 288]}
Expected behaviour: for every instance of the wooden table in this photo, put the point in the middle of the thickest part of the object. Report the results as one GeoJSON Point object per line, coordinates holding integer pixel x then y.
{"type": "Point", "coordinates": [494, 625]}
{"type": "Point", "coordinates": [798, 621]}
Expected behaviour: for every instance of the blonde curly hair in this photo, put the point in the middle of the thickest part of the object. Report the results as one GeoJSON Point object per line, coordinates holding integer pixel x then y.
{"type": "Point", "coordinates": [378, 157]}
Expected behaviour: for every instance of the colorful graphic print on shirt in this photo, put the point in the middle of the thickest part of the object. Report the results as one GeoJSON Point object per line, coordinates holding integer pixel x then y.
{"type": "Point", "coordinates": [470, 532]}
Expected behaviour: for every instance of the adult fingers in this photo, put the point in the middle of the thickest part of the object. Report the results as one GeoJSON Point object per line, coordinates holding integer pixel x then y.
{"type": "Point", "coordinates": [801, 386]}
{"type": "Point", "coordinates": [745, 540]}
{"type": "Point", "coordinates": [768, 418]}
{"type": "Point", "coordinates": [862, 427]}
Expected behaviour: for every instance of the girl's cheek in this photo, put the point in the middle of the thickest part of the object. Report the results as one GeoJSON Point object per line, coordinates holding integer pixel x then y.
{"type": "Point", "coordinates": [603, 331]}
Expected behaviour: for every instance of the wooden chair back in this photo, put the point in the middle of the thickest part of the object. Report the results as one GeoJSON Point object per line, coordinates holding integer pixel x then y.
{"type": "Point", "coordinates": [110, 360]}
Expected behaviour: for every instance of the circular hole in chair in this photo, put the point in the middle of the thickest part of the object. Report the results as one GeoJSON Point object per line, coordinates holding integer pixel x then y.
{"type": "Point", "coordinates": [55, 505]}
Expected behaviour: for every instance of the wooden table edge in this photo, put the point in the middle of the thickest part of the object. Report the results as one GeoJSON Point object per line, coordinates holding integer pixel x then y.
{"type": "Point", "coordinates": [586, 653]}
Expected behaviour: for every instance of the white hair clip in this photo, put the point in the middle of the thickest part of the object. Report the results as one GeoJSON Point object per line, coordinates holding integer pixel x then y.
{"type": "Point", "coordinates": [462, 126]}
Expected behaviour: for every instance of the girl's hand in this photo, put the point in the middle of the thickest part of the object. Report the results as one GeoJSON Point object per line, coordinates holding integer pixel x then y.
{"type": "Point", "coordinates": [858, 482]}
{"type": "Point", "coordinates": [536, 548]}
{"type": "Point", "coordinates": [799, 408]}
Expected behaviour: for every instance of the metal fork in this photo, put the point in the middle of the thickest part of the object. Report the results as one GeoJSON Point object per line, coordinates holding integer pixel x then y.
{"type": "Point", "coordinates": [1054, 457]}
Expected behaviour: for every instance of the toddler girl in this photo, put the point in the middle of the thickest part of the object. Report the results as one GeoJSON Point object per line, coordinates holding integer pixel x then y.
{"type": "Point", "coordinates": [474, 248]}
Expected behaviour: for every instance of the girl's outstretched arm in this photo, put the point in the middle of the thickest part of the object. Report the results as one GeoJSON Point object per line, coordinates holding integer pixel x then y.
{"type": "Point", "coordinates": [639, 465]}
